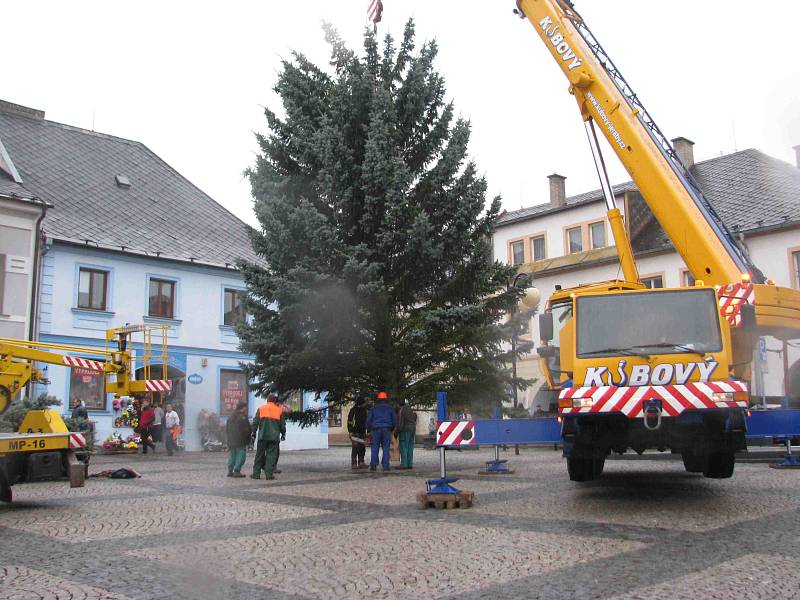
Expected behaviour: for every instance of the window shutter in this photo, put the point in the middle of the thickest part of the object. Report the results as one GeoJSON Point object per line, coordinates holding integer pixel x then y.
{"type": "Point", "coordinates": [2, 280]}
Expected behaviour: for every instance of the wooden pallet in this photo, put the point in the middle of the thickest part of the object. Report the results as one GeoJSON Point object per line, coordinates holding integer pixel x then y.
{"type": "Point", "coordinates": [460, 500]}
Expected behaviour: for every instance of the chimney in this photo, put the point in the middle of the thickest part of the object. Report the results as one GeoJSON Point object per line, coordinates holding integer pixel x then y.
{"type": "Point", "coordinates": [797, 155]}
{"type": "Point", "coordinates": [685, 150]}
{"type": "Point", "coordinates": [558, 196]}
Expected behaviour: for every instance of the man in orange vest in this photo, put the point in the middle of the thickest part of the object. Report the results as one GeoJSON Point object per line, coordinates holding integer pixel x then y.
{"type": "Point", "coordinates": [270, 427]}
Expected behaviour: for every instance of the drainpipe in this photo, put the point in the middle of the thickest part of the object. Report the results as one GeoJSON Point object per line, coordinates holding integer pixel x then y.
{"type": "Point", "coordinates": [37, 251]}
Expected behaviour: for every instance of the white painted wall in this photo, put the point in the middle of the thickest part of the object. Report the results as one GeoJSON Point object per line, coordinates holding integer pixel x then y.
{"type": "Point", "coordinates": [553, 224]}
{"type": "Point", "coordinates": [198, 304]}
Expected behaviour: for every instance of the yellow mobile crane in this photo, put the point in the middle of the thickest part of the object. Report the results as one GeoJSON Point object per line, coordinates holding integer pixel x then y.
{"type": "Point", "coordinates": [44, 431]}
{"type": "Point", "coordinates": [640, 368]}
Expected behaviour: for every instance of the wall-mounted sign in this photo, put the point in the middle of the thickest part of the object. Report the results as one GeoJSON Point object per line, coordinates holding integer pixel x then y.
{"type": "Point", "coordinates": [195, 378]}
{"type": "Point", "coordinates": [232, 390]}
{"type": "Point", "coordinates": [88, 386]}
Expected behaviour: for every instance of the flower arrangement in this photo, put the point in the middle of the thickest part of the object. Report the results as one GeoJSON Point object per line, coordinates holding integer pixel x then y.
{"type": "Point", "coordinates": [115, 442]}
{"type": "Point", "coordinates": [129, 413]}
{"type": "Point", "coordinates": [112, 442]}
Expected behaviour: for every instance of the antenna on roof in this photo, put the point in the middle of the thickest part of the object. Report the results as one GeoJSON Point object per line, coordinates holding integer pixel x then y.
{"type": "Point", "coordinates": [94, 112]}
{"type": "Point", "coordinates": [735, 148]}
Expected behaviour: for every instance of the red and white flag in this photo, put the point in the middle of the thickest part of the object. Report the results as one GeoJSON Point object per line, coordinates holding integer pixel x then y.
{"type": "Point", "coordinates": [375, 11]}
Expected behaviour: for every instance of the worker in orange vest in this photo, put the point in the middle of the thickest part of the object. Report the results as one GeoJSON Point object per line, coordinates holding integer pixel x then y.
{"type": "Point", "coordinates": [269, 425]}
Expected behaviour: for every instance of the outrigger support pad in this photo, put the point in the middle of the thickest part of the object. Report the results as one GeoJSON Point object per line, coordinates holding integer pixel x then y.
{"type": "Point", "coordinates": [442, 486]}
{"type": "Point", "coordinates": [790, 461]}
{"type": "Point", "coordinates": [496, 466]}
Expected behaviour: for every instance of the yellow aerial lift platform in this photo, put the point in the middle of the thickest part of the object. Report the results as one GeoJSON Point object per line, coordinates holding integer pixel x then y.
{"type": "Point", "coordinates": [44, 431]}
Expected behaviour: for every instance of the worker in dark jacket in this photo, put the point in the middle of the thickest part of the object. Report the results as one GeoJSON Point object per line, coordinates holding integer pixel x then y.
{"type": "Point", "coordinates": [357, 428]}
{"type": "Point", "coordinates": [237, 431]}
{"type": "Point", "coordinates": [269, 425]}
{"type": "Point", "coordinates": [381, 421]}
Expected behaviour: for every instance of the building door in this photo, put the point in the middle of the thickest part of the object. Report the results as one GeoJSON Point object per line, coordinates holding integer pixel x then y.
{"type": "Point", "coordinates": [794, 381]}
{"type": "Point", "coordinates": [177, 395]}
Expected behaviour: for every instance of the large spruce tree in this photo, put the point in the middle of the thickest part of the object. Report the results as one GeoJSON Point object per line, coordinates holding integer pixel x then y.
{"type": "Point", "coordinates": [377, 268]}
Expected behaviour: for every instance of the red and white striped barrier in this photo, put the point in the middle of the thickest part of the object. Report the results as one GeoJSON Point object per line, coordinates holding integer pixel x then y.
{"type": "Point", "coordinates": [85, 363]}
{"type": "Point", "coordinates": [76, 440]}
{"type": "Point", "coordinates": [158, 385]}
{"type": "Point", "coordinates": [455, 433]}
{"type": "Point", "coordinates": [731, 297]}
{"type": "Point", "coordinates": [674, 398]}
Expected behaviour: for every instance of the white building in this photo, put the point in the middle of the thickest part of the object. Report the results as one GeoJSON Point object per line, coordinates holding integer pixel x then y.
{"type": "Point", "coordinates": [567, 242]}
{"type": "Point", "coordinates": [129, 240]}
{"type": "Point", "coordinates": [21, 214]}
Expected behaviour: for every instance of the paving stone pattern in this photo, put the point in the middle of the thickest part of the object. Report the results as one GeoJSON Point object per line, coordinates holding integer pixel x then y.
{"type": "Point", "coordinates": [645, 530]}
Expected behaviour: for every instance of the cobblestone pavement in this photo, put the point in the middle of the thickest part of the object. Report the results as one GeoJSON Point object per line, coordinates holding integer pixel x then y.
{"type": "Point", "coordinates": [645, 530]}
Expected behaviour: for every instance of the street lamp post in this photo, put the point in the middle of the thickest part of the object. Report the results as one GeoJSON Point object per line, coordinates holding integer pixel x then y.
{"type": "Point", "coordinates": [529, 301]}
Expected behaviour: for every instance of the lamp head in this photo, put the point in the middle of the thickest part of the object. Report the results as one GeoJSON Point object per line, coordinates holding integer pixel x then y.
{"type": "Point", "coordinates": [531, 298]}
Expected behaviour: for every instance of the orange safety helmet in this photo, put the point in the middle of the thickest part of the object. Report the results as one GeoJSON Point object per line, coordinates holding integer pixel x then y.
{"type": "Point", "coordinates": [383, 396]}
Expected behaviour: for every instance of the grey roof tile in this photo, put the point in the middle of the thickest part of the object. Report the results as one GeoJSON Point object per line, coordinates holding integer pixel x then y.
{"type": "Point", "coordinates": [161, 213]}
{"type": "Point", "coordinates": [12, 189]}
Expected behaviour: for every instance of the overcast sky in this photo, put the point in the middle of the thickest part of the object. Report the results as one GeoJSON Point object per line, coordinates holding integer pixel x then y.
{"type": "Point", "coordinates": [188, 79]}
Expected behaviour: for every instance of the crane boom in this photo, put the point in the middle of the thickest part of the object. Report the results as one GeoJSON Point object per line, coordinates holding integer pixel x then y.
{"type": "Point", "coordinates": [709, 250]}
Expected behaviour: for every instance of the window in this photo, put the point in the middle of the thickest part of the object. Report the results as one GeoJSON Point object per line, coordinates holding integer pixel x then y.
{"type": "Point", "coordinates": [232, 390]}
{"type": "Point", "coordinates": [92, 289]}
{"type": "Point", "coordinates": [87, 386]}
{"type": "Point", "coordinates": [687, 279]}
{"type": "Point", "coordinates": [334, 416]}
{"type": "Point", "coordinates": [796, 268]}
{"type": "Point", "coordinates": [162, 299]}
{"type": "Point", "coordinates": [235, 307]}
{"type": "Point", "coordinates": [294, 401]}
{"type": "Point", "coordinates": [597, 234]}
{"type": "Point", "coordinates": [538, 249]}
{"type": "Point", "coordinates": [648, 323]}
{"type": "Point", "coordinates": [574, 240]}
{"type": "Point", "coordinates": [517, 253]}
{"type": "Point", "coordinates": [655, 281]}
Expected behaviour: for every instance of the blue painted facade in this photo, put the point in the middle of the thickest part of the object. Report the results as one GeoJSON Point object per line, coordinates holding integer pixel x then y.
{"type": "Point", "coordinates": [200, 345]}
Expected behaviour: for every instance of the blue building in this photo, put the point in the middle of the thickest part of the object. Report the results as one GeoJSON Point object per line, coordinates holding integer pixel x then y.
{"type": "Point", "coordinates": [129, 240]}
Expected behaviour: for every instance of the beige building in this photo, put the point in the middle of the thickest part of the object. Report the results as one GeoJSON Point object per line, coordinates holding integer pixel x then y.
{"type": "Point", "coordinates": [21, 215]}
{"type": "Point", "coordinates": [567, 241]}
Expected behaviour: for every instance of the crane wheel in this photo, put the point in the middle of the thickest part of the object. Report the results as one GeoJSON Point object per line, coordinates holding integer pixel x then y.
{"type": "Point", "coordinates": [5, 484]}
{"type": "Point", "coordinates": [693, 463]}
{"type": "Point", "coordinates": [585, 469]}
{"type": "Point", "coordinates": [719, 465]}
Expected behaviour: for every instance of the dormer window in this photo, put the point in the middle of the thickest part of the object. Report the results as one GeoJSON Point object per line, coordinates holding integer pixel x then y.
{"type": "Point", "coordinates": [123, 181]}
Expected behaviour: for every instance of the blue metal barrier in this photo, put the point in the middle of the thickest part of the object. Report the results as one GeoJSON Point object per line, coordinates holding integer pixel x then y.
{"type": "Point", "coordinates": [779, 423]}
{"type": "Point", "coordinates": [517, 431]}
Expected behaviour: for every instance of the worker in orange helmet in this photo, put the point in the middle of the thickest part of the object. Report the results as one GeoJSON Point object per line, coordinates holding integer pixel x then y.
{"type": "Point", "coordinates": [381, 421]}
